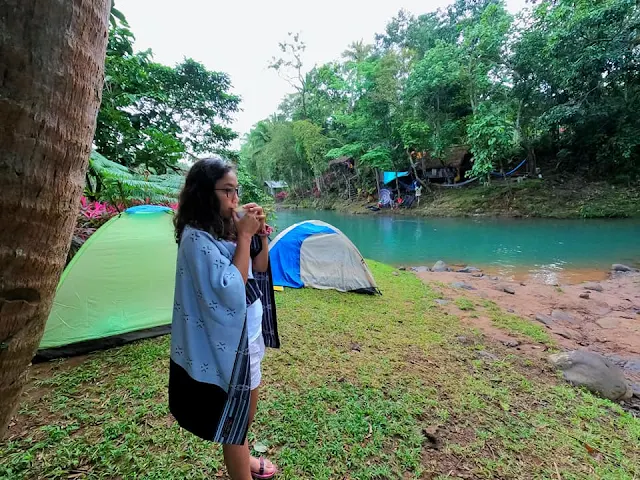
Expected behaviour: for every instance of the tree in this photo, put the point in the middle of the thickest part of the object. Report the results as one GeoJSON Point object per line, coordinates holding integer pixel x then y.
{"type": "Point", "coordinates": [576, 69]}
{"type": "Point", "coordinates": [153, 115]}
{"type": "Point", "coordinates": [560, 84]}
{"type": "Point", "coordinates": [290, 67]}
{"type": "Point", "coordinates": [51, 75]}
{"type": "Point", "coordinates": [357, 52]}
{"type": "Point", "coordinates": [311, 144]}
{"type": "Point", "coordinates": [492, 136]}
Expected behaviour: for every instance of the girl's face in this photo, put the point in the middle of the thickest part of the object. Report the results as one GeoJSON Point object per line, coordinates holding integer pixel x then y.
{"type": "Point", "coordinates": [227, 192]}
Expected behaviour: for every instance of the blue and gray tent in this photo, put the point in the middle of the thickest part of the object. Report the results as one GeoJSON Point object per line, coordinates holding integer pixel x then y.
{"type": "Point", "coordinates": [318, 255]}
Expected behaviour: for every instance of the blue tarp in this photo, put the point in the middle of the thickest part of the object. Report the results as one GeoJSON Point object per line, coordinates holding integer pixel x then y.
{"type": "Point", "coordinates": [284, 257]}
{"type": "Point", "coordinates": [390, 176]}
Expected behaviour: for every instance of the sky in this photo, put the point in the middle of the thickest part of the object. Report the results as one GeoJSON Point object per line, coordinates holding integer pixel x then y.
{"type": "Point", "coordinates": [240, 37]}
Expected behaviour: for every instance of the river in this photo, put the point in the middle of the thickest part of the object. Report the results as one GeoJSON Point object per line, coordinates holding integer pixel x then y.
{"type": "Point", "coordinates": [546, 249]}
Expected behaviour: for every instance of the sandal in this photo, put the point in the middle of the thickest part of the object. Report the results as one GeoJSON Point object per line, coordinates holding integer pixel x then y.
{"type": "Point", "coordinates": [260, 475]}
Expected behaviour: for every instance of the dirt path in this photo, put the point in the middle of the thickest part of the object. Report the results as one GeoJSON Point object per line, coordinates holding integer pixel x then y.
{"type": "Point", "coordinates": [602, 317]}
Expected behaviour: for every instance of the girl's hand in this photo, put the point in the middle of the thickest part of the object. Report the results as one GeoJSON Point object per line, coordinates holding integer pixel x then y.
{"type": "Point", "coordinates": [259, 212]}
{"type": "Point", "coordinates": [248, 225]}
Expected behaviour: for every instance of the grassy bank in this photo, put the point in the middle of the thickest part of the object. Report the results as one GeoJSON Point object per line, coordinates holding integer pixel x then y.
{"type": "Point", "coordinates": [531, 198]}
{"type": "Point", "coordinates": [363, 388]}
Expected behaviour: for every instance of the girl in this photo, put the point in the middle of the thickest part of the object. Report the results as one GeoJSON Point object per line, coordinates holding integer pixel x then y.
{"type": "Point", "coordinates": [223, 315]}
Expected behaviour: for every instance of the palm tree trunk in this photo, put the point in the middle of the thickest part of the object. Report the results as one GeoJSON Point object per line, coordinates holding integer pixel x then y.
{"type": "Point", "coordinates": [51, 76]}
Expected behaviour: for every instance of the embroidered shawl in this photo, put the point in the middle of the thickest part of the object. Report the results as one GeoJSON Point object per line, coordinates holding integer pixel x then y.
{"type": "Point", "coordinates": [209, 384]}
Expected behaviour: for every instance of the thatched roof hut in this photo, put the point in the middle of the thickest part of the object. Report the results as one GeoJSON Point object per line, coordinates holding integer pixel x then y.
{"type": "Point", "coordinates": [346, 161]}
{"type": "Point", "coordinates": [454, 157]}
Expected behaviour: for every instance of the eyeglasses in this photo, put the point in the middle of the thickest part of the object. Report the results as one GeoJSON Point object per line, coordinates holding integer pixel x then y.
{"type": "Point", "coordinates": [229, 191]}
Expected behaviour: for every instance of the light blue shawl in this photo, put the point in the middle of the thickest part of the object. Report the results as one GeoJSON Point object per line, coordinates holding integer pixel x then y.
{"type": "Point", "coordinates": [208, 334]}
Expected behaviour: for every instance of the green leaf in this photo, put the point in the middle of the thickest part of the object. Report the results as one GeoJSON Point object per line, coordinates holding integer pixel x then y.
{"type": "Point", "coordinates": [119, 15]}
{"type": "Point", "coordinates": [260, 447]}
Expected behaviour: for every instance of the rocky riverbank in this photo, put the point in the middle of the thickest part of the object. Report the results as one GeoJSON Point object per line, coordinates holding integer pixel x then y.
{"type": "Point", "coordinates": [600, 317]}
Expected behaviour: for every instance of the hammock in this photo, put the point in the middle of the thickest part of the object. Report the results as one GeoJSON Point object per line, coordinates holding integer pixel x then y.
{"type": "Point", "coordinates": [454, 185]}
{"type": "Point", "coordinates": [508, 174]}
{"type": "Point", "coordinates": [495, 174]}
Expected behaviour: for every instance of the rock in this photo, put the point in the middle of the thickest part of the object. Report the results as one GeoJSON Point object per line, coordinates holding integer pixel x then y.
{"type": "Point", "coordinates": [463, 285]}
{"type": "Point", "coordinates": [562, 332]}
{"type": "Point", "coordinates": [431, 441]}
{"type": "Point", "coordinates": [585, 295]}
{"type": "Point", "coordinates": [480, 275]}
{"type": "Point", "coordinates": [635, 388]}
{"type": "Point", "coordinates": [464, 340]}
{"type": "Point", "coordinates": [618, 360]}
{"type": "Point", "coordinates": [607, 322]}
{"type": "Point", "coordinates": [355, 347]}
{"type": "Point", "coordinates": [403, 269]}
{"type": "Point", "coordinates": [618, 267]}
{"type": "Point", "coordinates": [505, 288]}
{"type": "Point", "coordinates": [546, 319]}
{"type": "Point", "coordinates": [420, 269]}
{"type": "Point", "coordinates": [484, 355]}
{"type": "Point", "coordinates": [469, 270]}
{"type": "Point", "coordinates": [511, 343]}
{"type": "Point", "coordinates": [561, 316]}
{"type": "Point", "coordinates": [440, 266]}
{"type": "Point", "coordinates": [511, 310]}
{"type": "Point", "coordinates": [596, 287]}
{"type": "Point", "coordinates": [594, 372]}
{"type": "Point", "coordinates": [395, 274]}
{"type": "Point", "coordinates": [442, 302]}
{"type": "Point", "coordinates": [633, 365]}
{"type": "Point", "coordinates": [601, 310]}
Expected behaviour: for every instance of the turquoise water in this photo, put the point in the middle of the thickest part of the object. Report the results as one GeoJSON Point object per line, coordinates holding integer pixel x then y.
{"type": "Point", "coordinates": [535, 246]}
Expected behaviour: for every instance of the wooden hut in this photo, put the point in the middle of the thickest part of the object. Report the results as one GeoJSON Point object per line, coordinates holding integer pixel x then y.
{"type": "Point", "coordinates": [450, 168]}
{"type": "Point", "coordinates": [274, 186]}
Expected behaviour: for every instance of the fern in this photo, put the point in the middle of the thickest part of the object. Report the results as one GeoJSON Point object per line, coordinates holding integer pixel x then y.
{"type": "Point", "coordinates": [119, 185]}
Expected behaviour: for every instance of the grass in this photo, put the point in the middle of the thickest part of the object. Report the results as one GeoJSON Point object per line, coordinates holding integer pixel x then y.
{"type": "Point", "coordinates": [465, 304]}
{"type": "Point", "coordinates": [516, 324]}
{"type": "Point", "coordinates": [410, 402]}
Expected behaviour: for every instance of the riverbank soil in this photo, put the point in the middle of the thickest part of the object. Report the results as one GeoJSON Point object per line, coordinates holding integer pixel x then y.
{"type": "Point", "coordinates": [602, 317]}
{"type": "Point", "coordinates": [572, 198]}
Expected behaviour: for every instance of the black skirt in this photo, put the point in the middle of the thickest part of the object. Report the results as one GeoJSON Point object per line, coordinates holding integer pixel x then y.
{"type": "Point", "coordinates": [196, 406]}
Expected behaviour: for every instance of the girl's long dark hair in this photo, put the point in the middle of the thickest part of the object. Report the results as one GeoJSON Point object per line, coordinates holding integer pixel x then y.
{"type": "Point", "coordinates": [198, 205]}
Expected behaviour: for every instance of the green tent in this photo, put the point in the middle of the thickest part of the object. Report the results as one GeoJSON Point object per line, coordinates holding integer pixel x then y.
{"type": "Point", "coordinates": [117, 288]}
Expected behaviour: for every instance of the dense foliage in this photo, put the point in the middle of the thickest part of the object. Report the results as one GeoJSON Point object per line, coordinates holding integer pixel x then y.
{"type": "Point", "coordinates": [153, 115]}
{"type": "Point", "coordinates": [153, 121]}
{"type": "Point", "coordinates": [556, 84]}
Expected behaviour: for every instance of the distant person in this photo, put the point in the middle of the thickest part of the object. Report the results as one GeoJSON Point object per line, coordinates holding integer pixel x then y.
{"type": "Point", "coordinates": [418, 193]}
{"type": "Point", "coordinates": [217, 342]}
